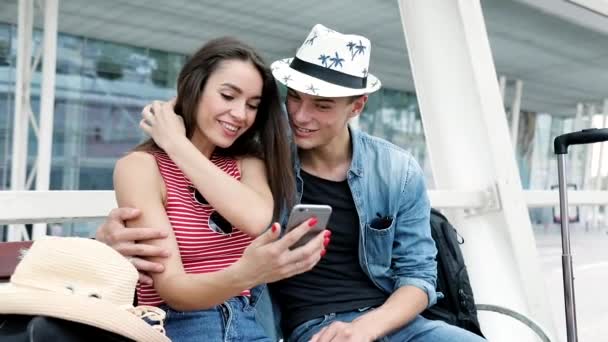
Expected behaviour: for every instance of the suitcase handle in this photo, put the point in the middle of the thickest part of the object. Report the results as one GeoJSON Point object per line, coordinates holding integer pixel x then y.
{"type": "Point", "coordinates": [586, 136]}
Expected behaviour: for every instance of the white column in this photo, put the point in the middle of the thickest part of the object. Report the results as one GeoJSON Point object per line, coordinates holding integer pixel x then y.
{"type": "Point", "coordinates": [470, 149]}
{"type": "Point", "coordinates": [600, 166]}
{"type": "Point", "coordinates": [502, 83]}
{"type": "Point", "coordinates": [23, 71]}
{"type": "Point", "coordinates": [515, 112]}
{"type": "Point", "coordinates": [576, 169]}
{"type": "Point", "coordinates": [589, 212]}
{"type": "Point", "coordinates": [72, 145]}
{"type": "Point", "coordinates": [25, 23]}
{"type": "Point", "coordinates": [588, 149]}
{"type": "Point", "coordinates": [47, 104]}
{"type": "Point", "coordinates": [598, 179]}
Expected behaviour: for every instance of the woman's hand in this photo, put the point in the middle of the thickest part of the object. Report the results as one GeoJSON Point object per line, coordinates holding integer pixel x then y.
{"type": "Point", "coordinates": [161, 123]}
{"type": "Point", "coordinates": [269, 259]}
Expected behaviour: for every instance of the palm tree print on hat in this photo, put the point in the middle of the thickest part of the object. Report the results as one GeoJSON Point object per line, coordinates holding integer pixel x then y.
{"type": "Point", "coordinates": [323, 58]}
{"type": "Point", "coordinates": [336, 61]}
{"type": "Point", "coordinates": [351, 46]}
{"type": "Point", "coordinates": [312, 89]}
{"type": "Point", "coordinates": [358, 50]}
{"type": "Point", "coordinates": [286, 79]}
{"type": "Point", "coordinates": [374, 83]}
{"type": "Point", "coordinates": [355, 49]}
{"type": "Point", "coordinates": [364, 72]}
{"type": "Point", "coordinates": [311, 40]}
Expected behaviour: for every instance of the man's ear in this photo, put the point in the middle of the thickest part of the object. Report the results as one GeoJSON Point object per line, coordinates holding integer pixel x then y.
{"type": "Point", "coordinates": [358, 105]}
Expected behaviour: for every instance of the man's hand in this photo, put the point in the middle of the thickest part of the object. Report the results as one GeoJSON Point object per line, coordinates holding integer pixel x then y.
{"type": "Point", "coordinates": [343, 332]}
{"type": "Point", "coordinates": [269, 259]}
{"type": "Point", "coordinates": [124, 240]}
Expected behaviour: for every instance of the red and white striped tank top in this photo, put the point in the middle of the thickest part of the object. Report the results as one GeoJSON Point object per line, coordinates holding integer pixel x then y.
{"type": "Point", "coordinates": [202, 250]}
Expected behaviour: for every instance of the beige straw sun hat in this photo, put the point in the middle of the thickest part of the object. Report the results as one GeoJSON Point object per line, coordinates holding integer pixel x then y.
{"type": "Point", "coordinates": [84, 281]}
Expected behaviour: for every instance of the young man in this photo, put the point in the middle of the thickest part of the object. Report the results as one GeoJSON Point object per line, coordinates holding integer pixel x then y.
{"type": "Point", "coordinates": [379, 272]}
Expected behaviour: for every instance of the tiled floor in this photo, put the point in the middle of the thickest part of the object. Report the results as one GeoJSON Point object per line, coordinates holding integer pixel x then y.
{"type": "Point", "coordinates": [590, 260]}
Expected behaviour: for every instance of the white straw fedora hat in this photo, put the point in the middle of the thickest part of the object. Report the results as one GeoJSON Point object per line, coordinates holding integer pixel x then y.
{"type": "Point", "coordinates": [329, 64]}
{"type": "Point", "coordinates": [80, 280]}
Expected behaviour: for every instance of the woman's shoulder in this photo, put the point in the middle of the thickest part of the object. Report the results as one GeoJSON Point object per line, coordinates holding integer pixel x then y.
{"type": "Point", "coordinates": [137, 179]}
{"type": "Point", "coordinates": [136, 163]}
{"type": "Point", "coordinates": [247, 162]}
{"type": "Point", "coordinates": [135, 158]}
{"type": "Point", "coordinates": [249, 159]}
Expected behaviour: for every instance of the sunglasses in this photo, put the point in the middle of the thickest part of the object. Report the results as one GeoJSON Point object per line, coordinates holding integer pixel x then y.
{"type": "Point", "coordinates": [216, 222]}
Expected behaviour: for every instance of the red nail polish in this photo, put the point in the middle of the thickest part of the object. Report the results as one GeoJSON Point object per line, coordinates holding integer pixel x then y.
{"type": "Point", "coordinates": [312, 222]}
{"type": "Point", "coordinates": [326, 242]}
{"type": "Point", "coordinates": [327, 233]}
{"type": "Point", "coordinates": [323, 253]}
{"type": "Point", "coordinates": [274, 228]}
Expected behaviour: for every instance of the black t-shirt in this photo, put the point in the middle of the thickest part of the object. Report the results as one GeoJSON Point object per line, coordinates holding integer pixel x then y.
{"type": "Point", "coordinates": [337, 283]}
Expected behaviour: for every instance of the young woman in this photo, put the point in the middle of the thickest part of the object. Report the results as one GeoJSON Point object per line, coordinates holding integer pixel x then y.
{"type": "Point", "coordinates": [217, 163]}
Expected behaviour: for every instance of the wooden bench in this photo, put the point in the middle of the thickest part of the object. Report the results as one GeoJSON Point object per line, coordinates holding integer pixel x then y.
{"type": "Point", "coordinates": [9, 257]}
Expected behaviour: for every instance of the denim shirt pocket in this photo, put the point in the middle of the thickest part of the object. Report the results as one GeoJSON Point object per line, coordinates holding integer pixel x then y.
{"type": "Point", "coordinates": [378, 244]}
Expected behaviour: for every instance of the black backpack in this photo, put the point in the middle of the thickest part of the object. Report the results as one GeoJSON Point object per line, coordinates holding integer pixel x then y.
{"type": "Point", "coordinates": [458, 306]}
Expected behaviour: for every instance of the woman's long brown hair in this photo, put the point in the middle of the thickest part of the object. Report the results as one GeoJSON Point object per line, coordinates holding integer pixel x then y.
{"type": "Point", "coordinates": [266, 138]}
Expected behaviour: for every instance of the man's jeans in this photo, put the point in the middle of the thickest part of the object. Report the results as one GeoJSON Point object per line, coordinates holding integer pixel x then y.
{"type": "Point", "coordinates": [419, 330]}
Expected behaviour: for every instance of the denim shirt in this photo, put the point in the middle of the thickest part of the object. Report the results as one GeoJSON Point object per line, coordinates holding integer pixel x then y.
{"type": "Point", "coordinates": [385, 180]}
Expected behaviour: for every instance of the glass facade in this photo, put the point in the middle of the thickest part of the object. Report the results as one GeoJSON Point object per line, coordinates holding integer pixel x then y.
{"type": "Point", "coordinates": [394, 116]}
{"type": "Point", "coordinates": [7, 82]}
{"type": "Point", "coordinates": [100, 90]}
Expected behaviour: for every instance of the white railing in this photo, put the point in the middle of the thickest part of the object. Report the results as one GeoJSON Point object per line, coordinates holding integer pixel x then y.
{"type": "Point", "coordinates": [58, 206]}
{"type": "Point", "coordinates": [54, 206]}
{"type": "Point", "coordinates": [540, 199]}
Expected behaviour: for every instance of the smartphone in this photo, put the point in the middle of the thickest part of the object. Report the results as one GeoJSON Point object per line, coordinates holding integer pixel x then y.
{"type": "Point", "coordinates": [303, 212]}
